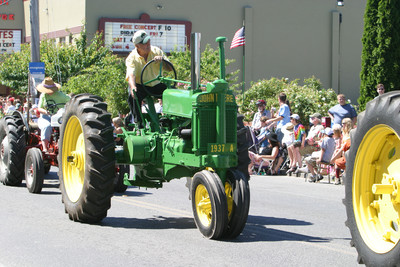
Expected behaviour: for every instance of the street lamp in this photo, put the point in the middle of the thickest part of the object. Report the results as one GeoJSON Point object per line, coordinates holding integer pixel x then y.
{"type": "Point", "coordinates": [340, 2]}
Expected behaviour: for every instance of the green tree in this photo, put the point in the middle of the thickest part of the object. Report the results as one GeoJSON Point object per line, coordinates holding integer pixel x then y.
{"type": "Point", "coordinates": [209, 65]}
{"type": "Point", "coordinates": [381, 48]}
{"type": "Point", "coordinates": [86, 67]}
{"type": "Point", "coordinates": [14, 70]}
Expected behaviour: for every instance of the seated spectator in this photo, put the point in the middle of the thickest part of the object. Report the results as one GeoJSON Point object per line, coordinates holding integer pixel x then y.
{"type": "Point", "coordinates": [262, 112]}
{"type": "Point", "coordinates": [10, 108]}
{"type": "Point", "coordinates": [299, 141]}
{"type": "Point", "coordinates": [324, 155]}
{"type": "Point", "coordinates": [19, 107]}
{"type": "Point", "coordinates": [262, 137]}
{"type": "Point", "coordinates": [158, 106]}
{"type": "Point", "coordinates": [271, 153]}
{"type": "Point", "coordinates": [338, 157]}
{"type": "Point", "coordinates": [313, 136]}
{"type": "Point", "coordinates": [117, 123]}
{"type": "Point", "coordinates": [337, 136]}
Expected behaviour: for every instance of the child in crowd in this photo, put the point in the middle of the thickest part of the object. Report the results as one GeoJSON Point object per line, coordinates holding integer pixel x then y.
{"type": "Point", "coordinates": [271, 152]}
{"type": "Point", "coordinates": [262, 137]}
{"type": "Point", "coordinates": [299, 141]}
{"type": "Point", "coordinates": [324, 155]}
{"type": "Point", "coordinates": [337, 136]}
{"type": "Point", "coordinates": [338, 157]}
{"type": "Point", "coordinates": [117, 123]}
{"type": "Point", "coordinates": [288, 134]}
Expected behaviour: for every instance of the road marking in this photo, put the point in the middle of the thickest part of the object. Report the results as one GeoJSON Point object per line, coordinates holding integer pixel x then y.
{"type": "Point", "coordinates": [151, 206]}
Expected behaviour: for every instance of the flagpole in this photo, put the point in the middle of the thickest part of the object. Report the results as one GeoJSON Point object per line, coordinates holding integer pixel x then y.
{"type": "Point", "coordinates": [243, 66]}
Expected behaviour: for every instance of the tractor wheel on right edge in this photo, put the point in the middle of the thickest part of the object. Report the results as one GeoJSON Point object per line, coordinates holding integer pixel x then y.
{"type": "Point", "coordinates": [238, 199]}
{"type": "Point", "coordinates": [372, 181]}
{"type": "Point", "coordinates": [12, 152]}
{"type": "Point", "coordinates": [209, 204]}
{"type": "Point", "coordinates": [87, 159]}
{"type": "Point", "coordinates": [34, 170]}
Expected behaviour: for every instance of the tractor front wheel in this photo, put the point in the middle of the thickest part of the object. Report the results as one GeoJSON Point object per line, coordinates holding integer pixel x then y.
{"type": "Point", "coordinates": [34, 170]}
{"type": "Point", "coordinates": [209, 204]}
{"type": "Point", "coordinates": [87, 159]}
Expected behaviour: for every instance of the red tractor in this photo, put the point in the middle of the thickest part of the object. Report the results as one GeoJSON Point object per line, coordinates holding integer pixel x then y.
{"type": "Point", "coordinates": [22, 154]}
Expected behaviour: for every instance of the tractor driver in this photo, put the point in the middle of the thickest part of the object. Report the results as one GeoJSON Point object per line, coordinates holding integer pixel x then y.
{"type": "Point", "coordinates": [50, 94]}
{"type": "Point", "coordinates": [137, 59]}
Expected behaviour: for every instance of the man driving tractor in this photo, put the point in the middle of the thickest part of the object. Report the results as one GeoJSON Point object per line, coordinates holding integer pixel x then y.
{"type": "Point", "coordinates": [50, 96]}
{"type": "Point", "coordinates": [137, 59]}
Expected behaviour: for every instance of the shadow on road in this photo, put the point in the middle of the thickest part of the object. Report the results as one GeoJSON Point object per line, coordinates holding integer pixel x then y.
{"type": "Point", "coordinates": [133, 193]}
{"type": "Point", "coordinates": [158, 222]}
{"type": "Point", "coordinates": [257, 230]}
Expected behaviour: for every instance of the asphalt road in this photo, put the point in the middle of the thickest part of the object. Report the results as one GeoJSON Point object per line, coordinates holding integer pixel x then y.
{"type": "Point", "coordinates": [290, 223]}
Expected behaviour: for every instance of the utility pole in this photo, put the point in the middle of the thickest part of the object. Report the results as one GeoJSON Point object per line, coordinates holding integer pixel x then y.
{"type": "Point", "coordinates": [35, 50]}
{"type": "Point", "coordinates": [35, 34]}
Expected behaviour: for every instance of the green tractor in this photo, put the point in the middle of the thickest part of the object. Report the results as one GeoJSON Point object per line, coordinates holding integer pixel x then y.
{"type": "Point", "coordinates": [199, 136]}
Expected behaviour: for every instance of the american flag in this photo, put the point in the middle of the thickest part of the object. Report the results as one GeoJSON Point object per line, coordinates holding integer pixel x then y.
{"type": "Point", "coordinates": [238, 39]}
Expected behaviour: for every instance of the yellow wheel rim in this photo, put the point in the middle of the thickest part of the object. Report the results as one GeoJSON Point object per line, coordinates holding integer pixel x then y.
{"type": "Point", "coordinates": [203, 205]}
{"type": "Point", "coordinates": [376, 179]}
{"type": "Point", "coordinates": [229, 198]}
{"type": "Point", "coordinates": [73, 159]}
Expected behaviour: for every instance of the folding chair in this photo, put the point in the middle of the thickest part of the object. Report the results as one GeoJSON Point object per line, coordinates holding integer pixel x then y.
{"type": "Point", "coordinates": [325, 168]}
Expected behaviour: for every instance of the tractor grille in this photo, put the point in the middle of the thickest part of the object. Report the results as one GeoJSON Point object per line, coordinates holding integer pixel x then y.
{"type": "Point", "coordinates": [207, 132]}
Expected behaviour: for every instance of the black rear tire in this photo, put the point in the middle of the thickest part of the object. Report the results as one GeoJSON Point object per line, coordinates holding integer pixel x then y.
{"type": "Point", "coordinates": [12, 151]}
{"type": "Point", "coordinates": [242, 148]}
{"type": "Point", "coordinates": [86, 159]}
{"type": "Point", "coordinates": [34, 170]}
{"type": "Point", "coordinates": [373, 163]}
{"type": "Point", "coordinates": [209, 204]}
{"type": "Point", "coordinates": [238, 198]}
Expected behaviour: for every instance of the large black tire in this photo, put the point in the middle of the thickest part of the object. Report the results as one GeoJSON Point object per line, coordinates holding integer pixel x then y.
{"type": "Point", "coordinates": [371, 197]}
{"type": "Point", "coordinates": [12, 151]}
{"type": "Point", "coordinates": [238, 199]}
{"type": "Point", "coordinates": [119, 186]}
{"type": "Point", "coordinates": [209, 204]}
{"type": "Point", "coordinates": [34, 170]}
{"type": "Point", "coordinates": [242, 148]}
{"type": "Point", "coordinates": [86, 159]}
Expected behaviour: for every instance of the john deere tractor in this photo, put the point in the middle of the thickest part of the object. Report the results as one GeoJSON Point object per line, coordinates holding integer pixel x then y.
{"type": "Point", "coordinates": [373, 183]}
{"type": "Point", "coordinates": [198, 136]}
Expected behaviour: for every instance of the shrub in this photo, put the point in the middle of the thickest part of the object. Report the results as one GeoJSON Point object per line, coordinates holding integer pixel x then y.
{"type": "Point", "coordinates": [304, 99]}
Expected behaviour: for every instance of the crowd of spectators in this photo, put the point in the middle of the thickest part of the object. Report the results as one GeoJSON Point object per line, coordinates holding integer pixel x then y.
{"type": "Point", "coordinates": [305, 151]}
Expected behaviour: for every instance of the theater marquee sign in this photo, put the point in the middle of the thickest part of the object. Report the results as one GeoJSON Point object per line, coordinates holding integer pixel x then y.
{"type": "Point", "coordinates": [10, 41]}
{"type": "Point", "coordinates": [166, 34]}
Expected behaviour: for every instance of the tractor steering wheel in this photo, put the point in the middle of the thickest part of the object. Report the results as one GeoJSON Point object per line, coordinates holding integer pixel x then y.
{"type": "Point", "coordinates": [52, 107]}
{"type": "Point", "coordinates": [160, 76]}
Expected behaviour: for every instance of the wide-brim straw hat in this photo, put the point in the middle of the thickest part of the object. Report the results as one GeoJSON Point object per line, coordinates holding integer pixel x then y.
{"type": "Point", "coordinates": [48, 86]}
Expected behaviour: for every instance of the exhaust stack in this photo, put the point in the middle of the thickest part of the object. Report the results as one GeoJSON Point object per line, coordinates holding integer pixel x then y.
{"type": "Point", "coordinates": [195, 66]}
